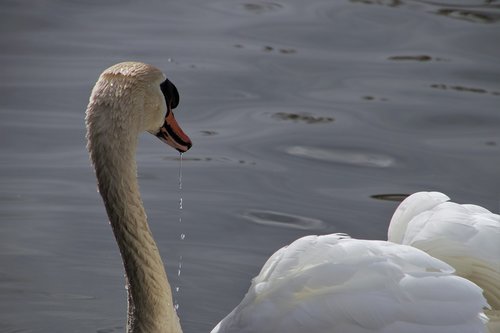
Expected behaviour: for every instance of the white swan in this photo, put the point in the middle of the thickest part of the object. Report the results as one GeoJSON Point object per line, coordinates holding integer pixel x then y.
{"type": "Point", "coordinates": [466, 237]}
{"type": "Point", "coordinates": [317, 284]}
{"type": "Point", "coordinates": [130, 98]}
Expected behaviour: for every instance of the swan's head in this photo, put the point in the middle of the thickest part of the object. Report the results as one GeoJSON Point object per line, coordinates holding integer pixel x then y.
{"type": "Point", "coordinates": [133, 97]}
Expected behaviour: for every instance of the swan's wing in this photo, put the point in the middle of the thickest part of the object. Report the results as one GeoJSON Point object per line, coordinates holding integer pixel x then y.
{"type": "Point", "coordinates": [465, 236]}
{"type": "Point", "coordinates": [410, 207]}
{"type": "Point", "coordinates": [336, 284]}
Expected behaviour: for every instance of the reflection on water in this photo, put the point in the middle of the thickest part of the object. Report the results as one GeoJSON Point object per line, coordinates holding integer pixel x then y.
{"type": "Point", "coordinates": [306, 117]}
{"type": "Point", "coordinates": [415, 58]}
{"type": "Point", "coordinates": [262, 7]}
{"type": "Point", "coordinates": [220, 159]}
{"type": "Point", "coordinates": [111, 329]}
{"type": "Point", "coordinates": [466, 89]}
{"type": "Point", "coordinates": [302, 117]}
{"type": "Point", "coordinates": [390, 197]}
{"type": "Point", "coordinates": [470, 11]}
{"type": "Point", "coordinates": [474, 16]}
{"type": "Point", "coordinates": [346, 156]}
{"type": "Point", "coordinates": [283, 220]}
{"type": "Point", "coordinates": [390, 3]}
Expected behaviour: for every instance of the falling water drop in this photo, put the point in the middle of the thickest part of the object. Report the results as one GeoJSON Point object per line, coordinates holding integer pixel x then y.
{"type": "Point", "coordinates": [179, 268]}
{"type": "Point", "coordinates": [180, 172]}
{"type": "Point", "coordinates": [182, 235]}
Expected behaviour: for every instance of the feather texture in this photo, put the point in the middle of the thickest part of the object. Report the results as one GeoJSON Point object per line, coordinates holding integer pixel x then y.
{"type": "Point", "coordinates": [333, 283]}
{"type": "Point", "coordinates": [465, 236]}
{"type": "Point", "coordinates": [317, 284]}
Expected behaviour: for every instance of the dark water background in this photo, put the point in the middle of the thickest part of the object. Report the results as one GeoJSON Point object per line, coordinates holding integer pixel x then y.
{"type": "Point", "coordinates": [300, 113]}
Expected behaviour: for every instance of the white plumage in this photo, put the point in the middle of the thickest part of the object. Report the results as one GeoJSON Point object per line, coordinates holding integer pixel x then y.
{"type": "Point", "coordinates": [333, 283]}
{"type": "Point", "coordinates": [317, 284]}
{"type": "Point", "coordinates": [465, 236]}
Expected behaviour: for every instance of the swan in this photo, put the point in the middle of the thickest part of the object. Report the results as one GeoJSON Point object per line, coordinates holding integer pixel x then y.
{"type": "Point", "coordinates": [130, 98]}
{"type": "Point", "coordinates": [329, 283]}
{"type": "Point", "coordinates": [467, 237]}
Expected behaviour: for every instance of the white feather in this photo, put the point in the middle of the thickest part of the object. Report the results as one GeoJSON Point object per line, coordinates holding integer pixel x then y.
{"type": "Point", "coordinates": [318, 283]}
{"type": "Point", "coordinates": [465, 236]}
{"type": "Point", "coordinates": [333, 283]}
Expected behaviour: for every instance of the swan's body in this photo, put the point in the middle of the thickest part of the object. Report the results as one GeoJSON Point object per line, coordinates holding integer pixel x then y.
{"type": "Point", "coordinates": [317, 284]}
{"type": "Point", "coordinates": [466, 237]}
{"type": "Point", "coordinates": [336, 284]}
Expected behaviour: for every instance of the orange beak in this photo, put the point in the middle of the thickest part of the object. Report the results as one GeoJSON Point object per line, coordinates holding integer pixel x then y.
{"type": "Point", "coordinates": [172, 134]}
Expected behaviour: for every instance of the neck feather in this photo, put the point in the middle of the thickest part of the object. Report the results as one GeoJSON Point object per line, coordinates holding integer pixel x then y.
{"type": "Point", "coordinates": [150, 307]}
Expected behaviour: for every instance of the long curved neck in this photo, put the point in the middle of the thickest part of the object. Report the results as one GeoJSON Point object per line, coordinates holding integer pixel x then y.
{"type": "Point", "coordinates": [150, 307]}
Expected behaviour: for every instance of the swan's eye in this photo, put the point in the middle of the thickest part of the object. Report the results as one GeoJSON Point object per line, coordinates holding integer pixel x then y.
{"type": "Point", "coordinates": [170, 92]}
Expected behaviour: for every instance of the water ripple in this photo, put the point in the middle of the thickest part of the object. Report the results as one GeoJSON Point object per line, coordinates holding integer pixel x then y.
{"type": "Point", "coordinates": [302, 117]}
{"type": "Point", "coordinates": [397, 197]}
{"type": "Point", "coordinates": [344, 156]}
{"type": "Point", "coordinates": [474, 16]}
{"type": "Point", "coordinates": [262, 7]}
{"type": "Point", "coordinates": [284, 220]}
{"type": "Point", "coordinates": [110, 329]}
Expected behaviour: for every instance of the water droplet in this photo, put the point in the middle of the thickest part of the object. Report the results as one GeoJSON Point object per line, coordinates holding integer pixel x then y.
{"type": "Point", "coordinates": [180, 171]}
{"type": "Point", "coordinates": [182, 236]}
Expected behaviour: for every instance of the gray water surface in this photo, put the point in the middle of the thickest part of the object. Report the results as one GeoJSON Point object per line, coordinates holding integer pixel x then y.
{"type": "Point", "coordinates": [303, 115]}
